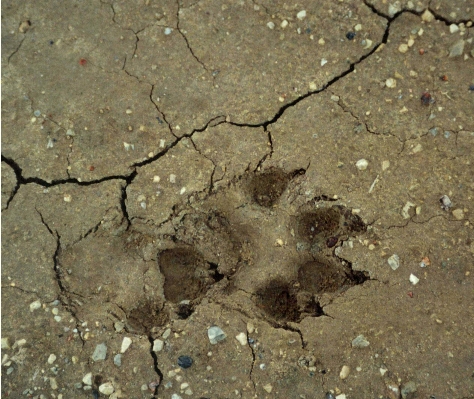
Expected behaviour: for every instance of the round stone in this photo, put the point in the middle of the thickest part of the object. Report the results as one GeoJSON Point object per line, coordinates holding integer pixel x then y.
{"type": "Point", "coordinates": [185, 362]}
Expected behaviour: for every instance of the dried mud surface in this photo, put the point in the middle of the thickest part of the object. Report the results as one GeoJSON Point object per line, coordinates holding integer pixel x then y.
{"type": "Point", "coordinates": [169, 166]}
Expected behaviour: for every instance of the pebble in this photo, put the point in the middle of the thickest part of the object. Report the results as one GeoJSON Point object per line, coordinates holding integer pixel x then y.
{"type": "Point", "coordinates": [158, 345]}
{"type": "Point", "coordinates": [445, 202]}
{"type": "Point", "coordinates": [413, 279]}
{"type": "Point", "coordinates": [360, 342]}
{"type": "Point", "coordinates": [394, 261]}
{"type": "Point", "coordinates": [391, 83]}
{"type": "Point", "coordinates": [385, 165]}
{"type": "Point", "coordinates": [35, 305]}
{"type": "Point", "coordinates": [242, 338]}
{"type": "Point", "coordinates": [344, 372]}
{"type": "Point", "coordinates": [168, 31]}
{"type": "Point", "coordinates": [53, 383]}
{"type": "Point", "coordinates": [268, 388]}
{"type": "Point", "coordinates": [453, 28]}
{"type": "Point", "coordinates": [215, 335]}
{"type": "Point", "coordinates": [87, 379]}
{"type": "Point", "coordinates": [362, 164]}
{"type": "Point", "coordinates": [284, 23]}
{"type": "Point", "coordinates": [408, 388]}
{"type": "Point", "coordinates": [100, 352]}
{"type": "Point", "coordinates": [51, 358]}
{"type": "Point", "coordinates": [271, 25]}
{"type": "Point", "coordinates": [427, 16]}
{"type": "Point", "coordinates": [107, 388]}
{"type": "Point", "coordinates": [125, 344]}
{"type": "Point", "coordinates": [185, 362]}
{"type": "Point", "coordinates": [301, 15]}
{"type": "Point", "coordinates": [250, 327]}
{"type": "Point", "coordinates": [176, 396]}
{"type": "Point", "coordinates": [456, 49]}
{"type": "Point", "coordinates": [167, 333]}
{"type": "Point", "coordinates": [5, 343]}
{"type": "Point", "coordinates": [118, 360]}
{"type": "Point", "coordinates": [37, 113]}
{"type": "Point", "coordinates": [458, 214]}
{"type": "Point", "coordinates": [403, 48]}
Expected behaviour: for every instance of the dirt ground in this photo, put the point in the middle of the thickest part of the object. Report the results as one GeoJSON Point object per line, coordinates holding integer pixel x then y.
{"type": "Point", "coordinates": [299, 175]}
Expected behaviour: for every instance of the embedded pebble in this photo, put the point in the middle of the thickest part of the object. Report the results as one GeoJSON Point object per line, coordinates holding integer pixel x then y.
{"type": "Point", "coordinates": [106, 388]}
{"type": "Point", "coordinates": [35, 305]}
{"type": "Point", "coordinates": [125, 344]}
{"type": "Point", "coordinates": [242, 338]}
{"type": "Point", "coordinates": [87, 379]}
{"type": "Point", "coordinates": [385, 165]}
{"type": "Point", "coordinates": [158, 345]}
{"type": "Point", "coordinates": [360, 342]}
{"type": "Point", "coordinates": [301, 15]}
{"type": "Point", "coordinates": [403, 48]}
{"type": "Point", "coordinates": [391, 83]}
{"type": "Point", "coordinates": [458, 214]}
{"type": "Point", "coordinates": [445, 202]}
{"type": "Point", "coordinates": [362, 164]}
{"type": "Point", "coordinates": [53, 383]}
{"type": "Point", "coordinates": [100, 352]}
{"type": "Point", "coordinates": [51, 358]}
{"type": "Point", "coordinates": [176, 396]}
{"type": "Point", "coordinates": [167, 333]}
{"type": "Point", "coordinates": [271, 25]}
{"type": "Point", "coordinates": [284, 23]}
{"type": "Point", "coordinates": [268, 388]}
{"type": "Point", "coordinates": [5, 343]}
{"type": "Point", "coordinates": [394, 261]}
{"type": "Point", "coordinates": [456, 49]}
{"type": "Point", "coordinates": [427, 16]}
{"type": "Point", "coordinates": [453, 28]}
{"type": "Point", "coordinates": [413, 279]}
{"type": "Point", "coordinates": [344, 372]}
{"type": "Point", "coordinates": [185, 362]}
{"type": "Point", "coordinates": [118, 359]}
{"type": "Point", "coordinates": [406, 209]}
{"type": "Point", "coordinates": [37, 113]}
{"type": "Point", "coordinates": [215, 335]}
{"type": "Point", "coordinates": [168, 31]}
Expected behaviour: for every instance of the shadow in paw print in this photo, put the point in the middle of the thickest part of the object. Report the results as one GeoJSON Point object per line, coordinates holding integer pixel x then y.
{"type": "Point", "coordinates": [278, 300]}
{"type": "Point", "coordinates": [187, 275]}
{"type": "Point", "coordinates": [267, 187]}
{"type": "Point", "coordinates": [145, 316]}
{"type": "Point", "coordinates": [319, 224]}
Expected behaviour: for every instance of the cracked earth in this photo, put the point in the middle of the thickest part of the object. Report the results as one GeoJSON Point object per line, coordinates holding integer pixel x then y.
{"type": "Point", "coordinates": [302, 180]}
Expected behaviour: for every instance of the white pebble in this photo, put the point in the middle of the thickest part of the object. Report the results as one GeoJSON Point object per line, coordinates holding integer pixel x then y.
{"type": "Point", "coordinates": [51, 358]}
{"type": "Point", "coordinates": [35, 305]}
{"type": "Point", "coordinates": [301, 15]}
{"type": "Point", "coordinates": [67, 198]}
{"type": "Point", "coordinates": [215, 335]}
{"type": "Point", "coordinates": [156, 179]}
{"type": "Point", "coordinates": [53, 383]}
{"type": "Point", "coordinates": [284, 23]}
{"type": "Point", "coordinates": [162, 143]}
{"type": "Point", "coordinates": [324, 61]}
{"type": "Point", "coordinates": [168, 31]}
{"type": "Point", "coordinates": [57, 318]}
{"type": "Point", "coordinates": [271, 25]}
{"type": "Point", "coordinates": [362, 164]}
{"type": "Point", "coordinates": [172, 178]}
{"type": "Point", "coordinates": [413, 279]}
{"type": "Point", "coordinates": [176, 396]}
{"type": "Point", "coordinates": [242, 338]}
{"type": "Point", "coordinates": [427, 16]}
{"type": "Point", "coordinates": [125, 344]}
{"type": "Point", "coordinates": [403, 48]}
{"type": "Point", "coordinates": [385, 165]}
{"type": "Point", "coordinates": [391, 83]}
{"type": "Point", "coordinates": [157, 345]}
{"type": "Point", "coordinates": [106, 388]}
{"type": "Point", "coordinates": [344, 372]}
{"type": "Point", "coordinates": [453, 28]}
{"type": "Point", "coordinates": [87, 379]}
{"type": "Point", "coordinates": [394, 261]}
{"type": "Point", "coordinates": [183, 190]}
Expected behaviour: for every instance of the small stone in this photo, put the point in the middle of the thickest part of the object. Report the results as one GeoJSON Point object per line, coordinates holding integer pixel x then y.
{"type": "Point", "coordinates": [408, 388]}
{"type": "Point", "coordinates": [406, 208]}
{"type": "Point", "coordinates": [271, 25]}
{"type": "Point", "coordinates": [324, 61]}
{"type": "Point", "coordinates": [403, 48]}
{"type": "Point", "coordinates": [453, 28]}
{"type": "Point", "coordinates": [51, 358]}
{"type": "Point", "coordinates": [67, 198]}
{"type": "Point", "coordinates": [106, 388]}
{"type": "Point", "coordinates": [445, 202]}
{"type": "Point", "coordinates": [118, 359]}
{"type": "Point", "coordinates": [250, 327]}
{"type": "Point", "coordinates": [242, 338]}
{"type": "Point", "coordinates": [427, 16]}
{"type": "Point", "coordinates": [53, 383]}
{"type": "Point", "coordinates": [5, 343]}
{"type": "Point", "coordinates": [268, 388]}
{"type": "Point", "coordinates": [391, 83]}
{"type": "Point", "coordinates": [458, 214]}
{"type": "Point", "coordinates": [176, 396]}
{"type": "Point", "coordinates": [366, 43]}
{"type": "Point", "coordinates": [360, 342]}
{"type": "Point", "coordinates": [167, 333]}
{"type": "Point", "coordinates": [35, 305]}
{"type": "Point", "coordinates": [456, 49]}
{"type": "Point", "coordinates": [394, 8]}
{"type": "Point", "coordinates": [100, 352]}
{"type": "Point", "coordinates": [284, 23]}
{"type": "Point", "coordinates": [168, 31]}
{"type": "Point", "coordinates": [362, 164]}
{"type": "Point", "coordinates": [37, 113]}
{"type": "Point", "coordinates": [394, 261]}
{"type": "Point", "coordinates": [358, 27]}
{"type": "Point", "coordinates": [344, 372]}
{"type": "Point", "coordinates": [385, 165]}
{"type": "Point", "coordinates": [215, 335]}
{"type": "Point", "coordinates": [119, 326]}
{"type": "Point", "coordinates": [87, 379]}
{"type": "Point", "coordinates": [158, 345]}
{"type": "Point", "coordinates": [413, 279]}
{"type": "Point", "coordinates": [185, 362]}
{"type": "Point", "coordinates": [301, 15]}
{"type": "Point", "coordinates": [125, 344]}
